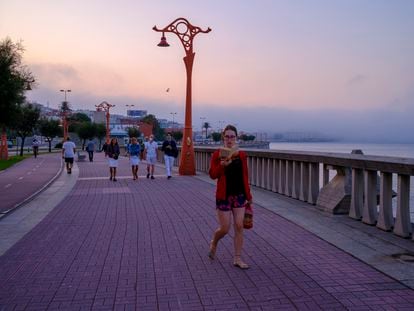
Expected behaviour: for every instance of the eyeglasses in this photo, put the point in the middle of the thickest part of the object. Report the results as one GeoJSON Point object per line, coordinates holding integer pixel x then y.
{"type": "Point", "coordinates": [229, 136]}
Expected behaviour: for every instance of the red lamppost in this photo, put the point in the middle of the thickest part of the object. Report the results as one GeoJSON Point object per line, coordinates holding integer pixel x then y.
{"type": "Point", "coordinates": [65, 111]}
{"type": "Point", "coordinates": [105, 106]}
{"type": "Point", "coordinates": [186, 33]}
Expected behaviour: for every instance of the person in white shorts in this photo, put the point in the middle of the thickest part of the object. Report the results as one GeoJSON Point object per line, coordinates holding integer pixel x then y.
{"type": "Point", "coordinates": [133, 152]}
{"type": "Point", "coordinates": [151, 148]}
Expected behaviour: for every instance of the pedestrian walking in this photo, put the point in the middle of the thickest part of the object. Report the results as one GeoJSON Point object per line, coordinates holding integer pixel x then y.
{"type": "Point", "coordinates": [112, 152]}
{"type": "Point", "coordinates": [151, 148]}
{"type": "Point", "coordinates": [229, 167]}
{"type": "Point", "coordinates": [134, 151]}
{"type": "Point", "coordinates": [169, 147]}
{"type": "Point", "coordinates": [68, 153]}
{"type": "Point", "coordinates": [90, 148]}
{"type": "Point", "coordinates": [104, 148]}
{"type": "Point", "coordinates": [35, 146]}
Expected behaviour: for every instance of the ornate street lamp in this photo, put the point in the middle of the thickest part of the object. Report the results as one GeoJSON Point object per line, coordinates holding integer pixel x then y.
{"type": "Point", "coordinates": [65, 111]}
{"type": "Point", "coordinates": [186, 33]}
{"type": "Point", "coordinates": [105, 106]}
{"type": "Point", "coordinates": [173, 123]}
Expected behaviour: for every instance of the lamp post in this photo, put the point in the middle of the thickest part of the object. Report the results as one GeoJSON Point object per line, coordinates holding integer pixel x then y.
{"type": "Point", "coordinates": [173, 114]}
{"type": "Point", "coordinates": [186, 33]}
{"type": "Point", "coordinates": [64, 113]}
{"type": "Point", "coordinates": [105, 106]}
{"type": "Point", "coordinates": [129, 105]}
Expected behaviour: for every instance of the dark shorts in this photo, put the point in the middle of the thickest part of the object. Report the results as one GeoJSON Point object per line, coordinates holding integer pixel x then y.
{"type": "Point", "coordinates": [233, 201]}
{"type": "Point", "coordinates": [69, 160]}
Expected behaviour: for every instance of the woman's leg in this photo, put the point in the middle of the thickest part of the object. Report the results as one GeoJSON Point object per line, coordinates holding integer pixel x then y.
{"type": "Point", "coordinates": [111, 174]}
{"type": "Point", "coordinates": [133, 171]}
{"type": "Point", "coordinates": [238, 216]}
{"type": "Point", "coordinates": [224, 218]}
{"type": "Point", "coordinates": [114, 173]}
{"type": "Point", "coordinates": [136, 171]}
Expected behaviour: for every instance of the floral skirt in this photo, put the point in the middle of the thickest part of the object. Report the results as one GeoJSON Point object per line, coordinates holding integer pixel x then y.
{"type": "Point", "coordinates": [232, 201]}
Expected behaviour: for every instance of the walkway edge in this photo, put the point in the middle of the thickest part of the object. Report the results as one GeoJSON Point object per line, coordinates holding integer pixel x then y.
{"type": "Point", "coordinates": [33, 210]}
{"type": "Point", "coordinates": [33, 195]}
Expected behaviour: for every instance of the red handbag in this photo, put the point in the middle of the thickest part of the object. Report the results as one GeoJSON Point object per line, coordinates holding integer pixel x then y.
{"type": "Point", "coordinates": [248, 216]}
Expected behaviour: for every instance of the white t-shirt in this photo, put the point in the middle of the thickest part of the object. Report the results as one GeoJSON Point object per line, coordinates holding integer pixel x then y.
{"type": "Point", "coordinates": [69, 146]}
{"type": "Point", "coordinates": [151, 148]}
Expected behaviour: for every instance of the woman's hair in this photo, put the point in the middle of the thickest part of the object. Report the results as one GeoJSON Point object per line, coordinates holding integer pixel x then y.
{"type": "Point", "coordinates": [229, 127]}
{"type": "Point", "coordinates": [114, 140]}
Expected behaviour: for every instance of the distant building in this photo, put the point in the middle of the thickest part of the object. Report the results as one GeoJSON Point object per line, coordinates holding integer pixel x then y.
{"type": "Point", "coordinates": [137, 113]}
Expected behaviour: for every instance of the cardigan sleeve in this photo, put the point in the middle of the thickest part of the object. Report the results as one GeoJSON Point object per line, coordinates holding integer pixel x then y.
{"type": "Point", "coordinates": [216, 169]}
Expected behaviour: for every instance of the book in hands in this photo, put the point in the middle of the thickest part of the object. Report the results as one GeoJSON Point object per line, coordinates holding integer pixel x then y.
{"type": "Point", "coordinates": [228, 153]}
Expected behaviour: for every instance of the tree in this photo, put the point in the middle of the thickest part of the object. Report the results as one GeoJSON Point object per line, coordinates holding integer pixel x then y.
{"type": "Point", "coordinates": [76, 120]}
{"type": "Point", "coordinates": [206, 126]}
{"type": "Point", "coordinates": [216, 136]}
{"type": "Point", "coordinates": [133, 132]}
{"type": "Point", "coordinates": [178, 135]}
{"type": "Point", "coordinates": [86, 130]}
{"type": "Point", "coordinates": [49, 129]}
{"type": "Point", "coordinates": [26, 121]}
{"type": "Point", "coordinates": [15, 79]}
{"type": "Point", "coordinates": [156, 128]}
{"type": "Point", "coordinates": [100, 132]}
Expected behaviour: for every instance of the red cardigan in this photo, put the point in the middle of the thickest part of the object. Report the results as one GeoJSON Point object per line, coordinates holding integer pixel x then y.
{"type": "Point", "coordinates": [217, 171]}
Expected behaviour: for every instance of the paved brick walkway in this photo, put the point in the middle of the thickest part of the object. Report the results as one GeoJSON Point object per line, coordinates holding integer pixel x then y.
{"type": "Point", "coordinates": [26, 178]}
{"type": "Point", "coordinates": [143, 246]}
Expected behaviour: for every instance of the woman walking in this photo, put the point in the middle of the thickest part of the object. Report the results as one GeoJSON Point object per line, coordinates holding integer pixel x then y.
{"type": "Point", "coordinates": [112, 151]}
{"type": "Point", "coordinates": [134, 151]}
{"type": "Point", "coordinates": [229, 167]}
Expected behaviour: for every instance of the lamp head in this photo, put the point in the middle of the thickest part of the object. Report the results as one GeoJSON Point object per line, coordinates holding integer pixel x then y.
{"type": "Point", "coordinates": [163, 42]}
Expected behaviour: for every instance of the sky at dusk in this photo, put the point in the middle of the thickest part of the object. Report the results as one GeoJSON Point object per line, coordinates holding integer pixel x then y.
{"type": "Point", "coordinates": [338, 67]}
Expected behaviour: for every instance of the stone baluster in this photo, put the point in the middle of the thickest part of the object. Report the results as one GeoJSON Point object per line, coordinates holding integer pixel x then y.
{"type": "Point", "coordinates": [313, 183]}
{"type": "Point", "coordinates": [357, 193]}
{"type": "Point", "coordinates": [275, 175]}
{"type": "Point", "coordinates": [385, 218]}
{"type": "Point", "coordinates": [296, 180]}
{"type": "Point", "coordinates": [304, 181]}
{"type": "Point", "coordinates": [289, 178]}
{"type": "Point", "coordinates": [369, 213]}
{"type": "Point", "coordinates": [325, 175]}
{"type": "Point", "coordinates": [402, 222]}
{"type": "Point", "coordinates": [282, 176]}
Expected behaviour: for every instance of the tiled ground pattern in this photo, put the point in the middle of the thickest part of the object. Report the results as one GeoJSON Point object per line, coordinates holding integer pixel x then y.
{"type": "Point", "coordinates": [143, 246]}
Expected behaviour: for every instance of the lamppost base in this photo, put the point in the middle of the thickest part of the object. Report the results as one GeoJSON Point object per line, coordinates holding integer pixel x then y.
{"type": "Point", "coordinates": [187, 158]}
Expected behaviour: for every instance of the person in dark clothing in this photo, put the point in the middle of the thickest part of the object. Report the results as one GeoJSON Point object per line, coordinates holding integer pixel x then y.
{"type": "Point", "coordinates": [90, 148]}
{"type": "Point", "coordinates": [169, 147]}
{"type": "Point", "coordinates": [113, 151]}
{"type": "Point", "coordinates": [229, 167]}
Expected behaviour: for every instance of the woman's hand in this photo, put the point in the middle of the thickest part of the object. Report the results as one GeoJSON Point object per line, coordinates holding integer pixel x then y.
{"type": "Point", "coordinates": [225, 162]}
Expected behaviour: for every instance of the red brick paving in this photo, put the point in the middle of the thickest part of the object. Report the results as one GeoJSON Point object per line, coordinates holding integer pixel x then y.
{"type": "Point", "coordinates": [143, 246]}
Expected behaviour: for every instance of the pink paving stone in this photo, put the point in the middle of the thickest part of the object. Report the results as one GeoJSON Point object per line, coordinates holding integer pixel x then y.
{"type": "Point", "coordinates": [145, 244]}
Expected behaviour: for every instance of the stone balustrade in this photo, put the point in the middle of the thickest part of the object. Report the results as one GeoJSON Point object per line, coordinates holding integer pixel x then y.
{"type": "Point", "coordinates": [356, 189]}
